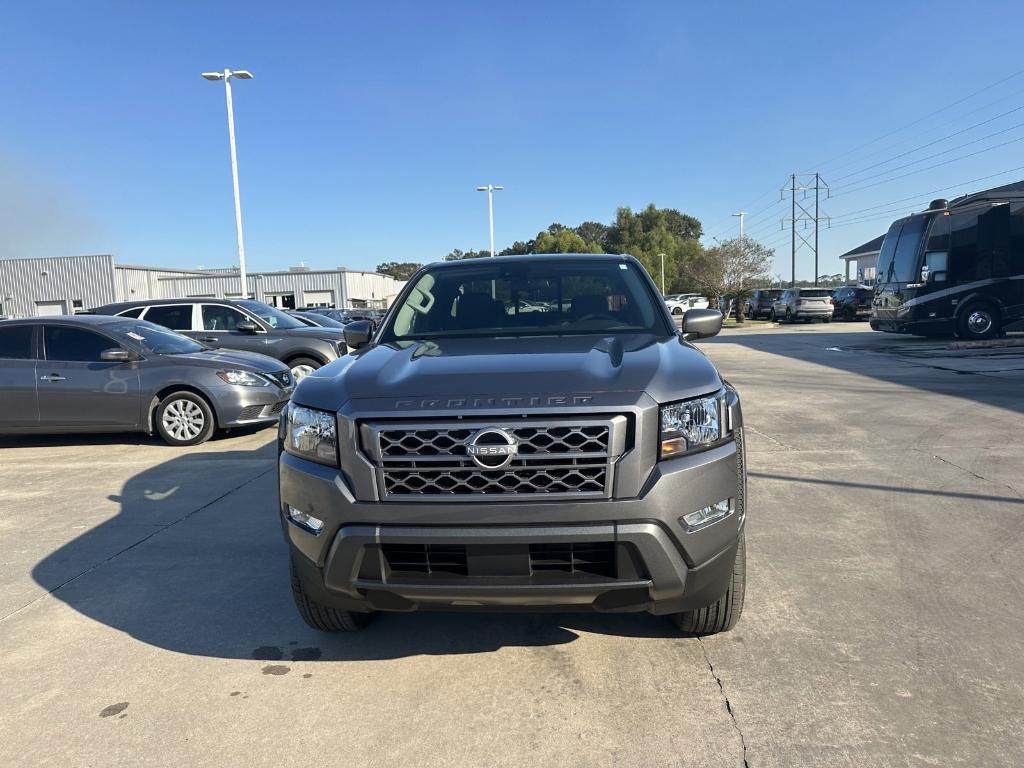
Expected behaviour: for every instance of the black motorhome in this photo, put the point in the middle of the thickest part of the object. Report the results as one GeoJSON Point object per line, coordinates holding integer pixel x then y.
{"type": "Point", "coordinates": [955, 269]}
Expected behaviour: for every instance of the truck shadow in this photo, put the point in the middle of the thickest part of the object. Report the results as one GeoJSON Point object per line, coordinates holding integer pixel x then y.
{"type": "Point", "coordinates": [195, 562]}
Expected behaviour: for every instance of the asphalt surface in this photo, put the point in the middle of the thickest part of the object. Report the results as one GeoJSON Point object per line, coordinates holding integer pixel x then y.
{"type": "Point", "coordinates": [145, 615]}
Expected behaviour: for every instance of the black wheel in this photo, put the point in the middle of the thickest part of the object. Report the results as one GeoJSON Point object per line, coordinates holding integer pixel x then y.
{"type": "Point", "coordinates": [324, 617]}
{"type": "Point", "coordinates": [849, 314]}
{"type": "Point", "coordinates": [978, 321]}
{"type": "Point", "coordinates": [722, 615]}
{"type": "Point", "coordinates": [771, 316]}
{"type": "Point", "coordinates": [301, 367]}
{"type": "Point", "coordinates": [789, 315]}
{"type": "Point", "coordinates": [677, 310]}
{"type": "Point", "coordinates": [184, 418]}
{"type": "Point", "coordinates": [827, 319]}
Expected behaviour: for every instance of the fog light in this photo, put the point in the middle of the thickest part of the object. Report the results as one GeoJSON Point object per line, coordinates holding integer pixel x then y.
{"type": "Point", "coordinates": [705, 517]}
{"type": "Point", "coordinates": [312, 524]}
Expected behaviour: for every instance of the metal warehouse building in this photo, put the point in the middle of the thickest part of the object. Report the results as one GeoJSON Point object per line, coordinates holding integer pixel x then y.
{"type": "Point", "coordinates": [66, 284]}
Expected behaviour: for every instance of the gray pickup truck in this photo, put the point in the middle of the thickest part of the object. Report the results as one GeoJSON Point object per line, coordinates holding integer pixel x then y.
{"type": "Point", "coordinates": [472, 454]}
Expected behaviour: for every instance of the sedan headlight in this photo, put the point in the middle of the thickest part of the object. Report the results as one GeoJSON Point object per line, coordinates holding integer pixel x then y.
{"type": "Point", "coordinates": [243, 379]}
{"type": "Point", "coordinates": [692, 424]}
{"type": "Point", "coordinates": [311, 434]}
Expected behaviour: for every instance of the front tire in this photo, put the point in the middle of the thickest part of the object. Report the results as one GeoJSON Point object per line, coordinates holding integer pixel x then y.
{"type": "Point", "coordinates": [301, 367]}
{"type": "Point", "coordinates": [978, 321]}
{"type": "Point", "coordinates": [722, 615]}
{"type": "Point", "coordinates": [324, 617]}
{"type": "Point", "coordinates": [184, 418]}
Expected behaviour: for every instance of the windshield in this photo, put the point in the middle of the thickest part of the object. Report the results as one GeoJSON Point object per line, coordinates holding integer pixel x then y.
{"type": "Point", "coordinates": [528, 299]}
{"type": "Point", "coordinates": [814, 293]}
{"type": "Point", "coordinates": [156, 339]}
{"type": "Point", "coordinates": [897, 261]}
{"type": "Point", "coordinates": [275, 318]}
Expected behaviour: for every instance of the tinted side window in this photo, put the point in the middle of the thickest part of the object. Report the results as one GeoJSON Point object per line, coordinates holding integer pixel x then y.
{"type": "Point", "coordinates": [217, 317]}
{"type": "Point", "coordinates": [16, 342]}
{"type": "Point", "coordinates": [177, 317]}
{"type": "Point", "coordinates": [133, 312]}
{"type": "Point", "coordinates": [1016, 239]}
{"type": "Point", "coordinates": [74, 344]}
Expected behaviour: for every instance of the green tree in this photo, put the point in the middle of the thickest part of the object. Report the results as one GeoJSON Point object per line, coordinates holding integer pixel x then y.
{"type": "Point", "coordinates": [520, 247]}
{"type": "Point", "coordinates": [655, 231]}
{"type": "Point", "coordinates": [565, 241]}
{"type": "Point", "coordinates": [457, 255]}
{"type": "Point", "coordinates": [731, 269]}
{"type": "Point", "coordinates": [594, 232]}
{"type": "Point", "coordinates": [400, 270]}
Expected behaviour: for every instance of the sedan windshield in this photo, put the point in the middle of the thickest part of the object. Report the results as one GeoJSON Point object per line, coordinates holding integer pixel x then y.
{"type": "Point", "coordinates": [519, 298]}
{"type": "Point", "coordinates": [275, 318]}
{"type": "Point", "coordinates": [156, 339]}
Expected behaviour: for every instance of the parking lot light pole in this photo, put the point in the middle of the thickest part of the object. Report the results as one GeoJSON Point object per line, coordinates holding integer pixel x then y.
{"type": "Point", "coordinates": [226, 76]}
{"type": "Point", "coordinates": [490, 189]}
{"type": "Point", "coordinates": [662, 274]}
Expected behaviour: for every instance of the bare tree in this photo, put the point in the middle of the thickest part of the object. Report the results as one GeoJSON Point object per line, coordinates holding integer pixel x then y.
{"type": "Point", "coordinates": [730, 269]}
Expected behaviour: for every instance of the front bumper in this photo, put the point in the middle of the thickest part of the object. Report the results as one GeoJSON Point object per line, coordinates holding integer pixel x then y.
{"type": "Point", "coordinates": [661, 567]}
{"type": "Point", "coordinates": [242, 406]}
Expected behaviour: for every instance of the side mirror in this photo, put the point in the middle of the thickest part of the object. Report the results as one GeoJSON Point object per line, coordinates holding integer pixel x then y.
{"type": "Point", "coordinates": [247, 328]}
{"type": "Point", "coordinates": [116, 355]}
{"type": "Point", "coordinates": [701, 323]}
{"type": "Point", "coordinates": [357, 333]}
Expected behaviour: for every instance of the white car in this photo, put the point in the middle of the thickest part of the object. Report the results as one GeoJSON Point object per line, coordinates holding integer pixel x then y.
{"type": "Point", "coordinates": [680, 302]}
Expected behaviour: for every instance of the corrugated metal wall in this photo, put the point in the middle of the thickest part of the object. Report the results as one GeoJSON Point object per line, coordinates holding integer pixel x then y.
{"type": "Point", "coordinates": [345, 287]}
{"type": "Point", "coordinates": [29, 286]}
{"type": "Point", "coordinates": [95, 280]}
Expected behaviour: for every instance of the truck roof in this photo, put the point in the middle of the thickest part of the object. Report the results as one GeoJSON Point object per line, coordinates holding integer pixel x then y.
{"type": "Point", "coordinates": [537, 257]}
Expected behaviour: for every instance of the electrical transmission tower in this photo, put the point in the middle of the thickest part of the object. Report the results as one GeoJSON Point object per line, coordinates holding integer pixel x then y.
{"type": "Point", "coordinates": [805, 215]}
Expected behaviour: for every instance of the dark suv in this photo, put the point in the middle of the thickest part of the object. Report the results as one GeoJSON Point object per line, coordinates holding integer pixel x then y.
{"type": "Point", "coordinates": [243, 324]}
{"type": "Point", "coordinates": [759, 304]}
{"type": "Point", "coordinates": [852, 303]}
{"type": "Point", "coordinates": [476, 456]}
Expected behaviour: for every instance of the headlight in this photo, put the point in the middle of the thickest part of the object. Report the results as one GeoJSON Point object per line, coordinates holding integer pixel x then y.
{"type": "Point", "coordinates": [692, 424]}
{"type": "Point", "coordinates": [311, 434]}
{"type": "Point", "coordinates": [243, 379]}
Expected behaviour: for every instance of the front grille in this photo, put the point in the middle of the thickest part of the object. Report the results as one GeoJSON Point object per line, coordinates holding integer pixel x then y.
{"type": "Point", "coordinates": [430, 462]}
{"type": "Point", "coordinates": [571, 560]}
{"type": "Point", "coordinates": [277, 408]}
{"type": "Point", "coordinates": [284, 378]}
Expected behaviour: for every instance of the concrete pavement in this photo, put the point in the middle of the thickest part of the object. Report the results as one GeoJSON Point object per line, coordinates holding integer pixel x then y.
{"type": "Point", "coordinates": [146, 616]}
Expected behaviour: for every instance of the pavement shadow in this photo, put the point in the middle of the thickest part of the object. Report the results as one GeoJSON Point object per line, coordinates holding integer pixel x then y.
{"type": "Point", "coordinates": [195, 562]}
{"type": "Point", "coordinates": [910, 361]}
{"type": "Point", "coordinates": [31, 440]}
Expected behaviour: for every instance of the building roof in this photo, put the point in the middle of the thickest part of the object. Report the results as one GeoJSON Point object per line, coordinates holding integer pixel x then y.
{"type": "Point", "coordinates": [870, 248]}
{"type": "Point", "coordinates": [1014, 191]}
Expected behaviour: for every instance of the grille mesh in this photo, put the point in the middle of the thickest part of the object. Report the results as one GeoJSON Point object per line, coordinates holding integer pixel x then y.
{"type": "Point", "coordinates": [428, 461]}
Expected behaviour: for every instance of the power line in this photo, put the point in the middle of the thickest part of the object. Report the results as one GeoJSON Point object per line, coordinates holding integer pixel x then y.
{"type": "Point", "coordinates": [928, 167]}
{"type": "Point", "coordinates": [931, 192]}
{"type": "Point", "coordinates": [939, 141]}
{"type": "Point", "coordinates": [919, 120]}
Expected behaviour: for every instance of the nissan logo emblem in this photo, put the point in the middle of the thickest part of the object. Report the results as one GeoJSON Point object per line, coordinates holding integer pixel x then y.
{"type": "Point", "coordinates": [492, 448]}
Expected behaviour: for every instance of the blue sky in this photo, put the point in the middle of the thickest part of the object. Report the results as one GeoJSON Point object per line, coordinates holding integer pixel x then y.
{"type": "Point", "coordinates": [369, 125]}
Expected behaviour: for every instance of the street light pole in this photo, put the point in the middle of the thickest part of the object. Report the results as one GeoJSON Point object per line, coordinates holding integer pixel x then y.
{"type": "Point", "coordinates": [226, 76]}
{"type": "Point", "coordinates": [490, 189]}
{"type": "Point", "coordinates": [741, 214]}
{"type": "Point", "coordinates": [662, 273]}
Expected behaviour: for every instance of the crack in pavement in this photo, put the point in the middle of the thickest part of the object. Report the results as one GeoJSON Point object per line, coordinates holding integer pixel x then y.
{"type": "Point", "coordinates": [768, 437]}
{"type": "Point", "coordinates": [143, 540]}
{"type": "Point", "coordinates": [728, 704]}
{"type": "Point", "coordinates": [968, 471]}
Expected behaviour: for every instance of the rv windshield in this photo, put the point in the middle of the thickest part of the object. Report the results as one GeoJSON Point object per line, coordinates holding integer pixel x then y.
{"type": "Point", "coordinates": [897, 262]}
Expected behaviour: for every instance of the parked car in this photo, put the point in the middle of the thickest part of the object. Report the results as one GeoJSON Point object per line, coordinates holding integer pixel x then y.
{"type": "Point", "coordinates": [97, 373]}
{"type": "Point", "coordinates": [474, 456]}
{"type": "Point", "coordinates": [315, 319]}
{"type": "Point", "coordinates": [759, 304]}
{"type": "Point", "coordinates": [852, 302]}
{"type": "Point", "coordinates": [344, 316]}
{"type": "Point", "coordinates": [680, 302]}
{"type": "Point", "coordinates": [241, 324]}
{"type": "Point", "coordinates": [803, 304]}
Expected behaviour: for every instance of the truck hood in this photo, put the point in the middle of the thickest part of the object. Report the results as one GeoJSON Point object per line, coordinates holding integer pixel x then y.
{"type": "Point", "coordinates": [665, 368]}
